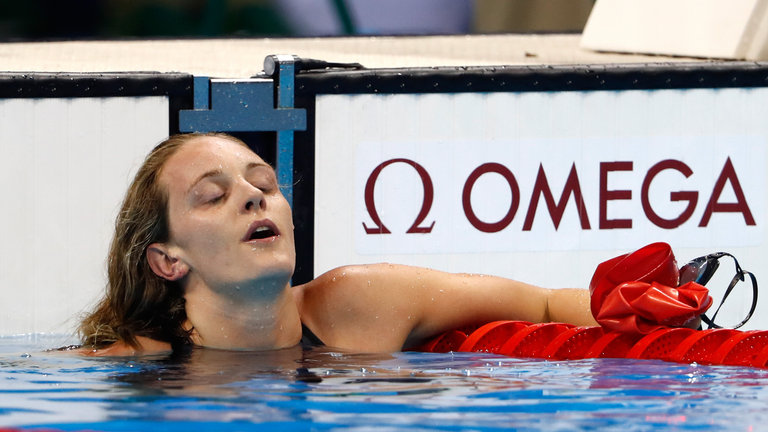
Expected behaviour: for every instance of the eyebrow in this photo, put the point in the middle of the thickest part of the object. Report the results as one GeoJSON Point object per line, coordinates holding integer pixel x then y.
{"type": "Point", "coordinates": [259, 164]}
{"type": "Point", "coordinates": [216, 172]}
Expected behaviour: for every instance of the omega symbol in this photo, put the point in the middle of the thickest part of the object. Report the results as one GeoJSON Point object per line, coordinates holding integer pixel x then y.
{"type": "Point", "coordinates": [426, 203]}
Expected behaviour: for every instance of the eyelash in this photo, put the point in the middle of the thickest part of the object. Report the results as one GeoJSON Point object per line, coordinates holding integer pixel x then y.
{"type": "Point", "coordinates": [265, 184]}
{"type": "Point", "coordinates": [264, 189]}
{"type": "Point", "coordinates": [216, 199]}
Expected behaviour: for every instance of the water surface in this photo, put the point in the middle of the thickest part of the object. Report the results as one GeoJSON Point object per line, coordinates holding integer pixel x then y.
{"type": "Point", "coordinates": [324, 389]}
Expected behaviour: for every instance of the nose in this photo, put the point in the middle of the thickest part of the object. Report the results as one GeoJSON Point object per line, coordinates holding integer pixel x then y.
{"type": "Point", "coordinates": [254, 199]}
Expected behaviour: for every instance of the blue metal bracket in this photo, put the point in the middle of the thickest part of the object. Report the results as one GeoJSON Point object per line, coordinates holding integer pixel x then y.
{"type": "Point", "coordinates": [249, 105]}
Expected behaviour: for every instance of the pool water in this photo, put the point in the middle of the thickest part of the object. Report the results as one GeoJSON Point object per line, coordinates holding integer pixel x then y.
{"type": "Point", "coordinates": [323, 389]}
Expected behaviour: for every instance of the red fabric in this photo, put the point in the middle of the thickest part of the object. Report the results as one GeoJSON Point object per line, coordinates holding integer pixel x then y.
{"type": "Point", "coordinates": [640, 307]}
{"type": "Point", "coordinates": [638, 293]}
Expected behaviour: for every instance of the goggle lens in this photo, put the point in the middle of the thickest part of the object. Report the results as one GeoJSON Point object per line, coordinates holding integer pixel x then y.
{"type": "Point", "coordinates": [701, 270]}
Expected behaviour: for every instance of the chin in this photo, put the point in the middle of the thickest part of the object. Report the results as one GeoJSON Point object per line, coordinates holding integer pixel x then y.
{"type": "Point", "coordinates": [278, 266]}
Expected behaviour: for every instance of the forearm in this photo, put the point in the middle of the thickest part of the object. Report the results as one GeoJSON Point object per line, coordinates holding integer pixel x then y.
{"type": "Point", "coordinates": [479, 299]}
{"type": "Point", "coordinates": [470, 299]}
{"type": "Point", "coordinates": [570, 305]}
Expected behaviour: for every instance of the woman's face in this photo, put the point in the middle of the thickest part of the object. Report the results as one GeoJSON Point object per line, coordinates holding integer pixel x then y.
{"type": "Point", "coordinates": [229, 223]}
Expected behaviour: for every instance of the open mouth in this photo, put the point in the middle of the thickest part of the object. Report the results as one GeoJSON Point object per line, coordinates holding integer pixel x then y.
{"type": "Point", "coordinates": [261, 230]}
{"type": "Point", "coordinates": [261, 233]}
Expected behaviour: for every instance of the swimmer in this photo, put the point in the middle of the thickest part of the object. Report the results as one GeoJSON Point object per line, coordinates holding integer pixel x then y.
{"type": "Point", "coordinates": [203, 255]}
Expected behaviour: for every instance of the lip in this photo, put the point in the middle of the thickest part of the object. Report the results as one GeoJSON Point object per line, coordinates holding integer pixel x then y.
{"type": "Point", "coordinates": [258, 224]}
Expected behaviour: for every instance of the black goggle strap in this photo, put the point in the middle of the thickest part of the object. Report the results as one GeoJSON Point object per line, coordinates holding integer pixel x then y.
{"type": "Point", "coordinates": [739, 276]}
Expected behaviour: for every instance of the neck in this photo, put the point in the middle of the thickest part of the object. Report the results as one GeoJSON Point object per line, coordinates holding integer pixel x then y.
{"type": "Point", "coordinates": [252, 316]}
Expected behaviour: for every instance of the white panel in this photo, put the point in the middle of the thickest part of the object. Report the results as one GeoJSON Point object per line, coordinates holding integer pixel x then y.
{"type": "Point", "coordinates": [450, 135]}
{"type": "Point", "coordinates": [64, 168]}
{"type": "Point", "coordinates": [697, 28]}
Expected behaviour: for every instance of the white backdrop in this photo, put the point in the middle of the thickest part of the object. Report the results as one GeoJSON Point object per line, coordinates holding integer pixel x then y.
{"type": "Point", "coordinates": [683, 166]}
{"type": "Point", "coordinates": [64, 167]}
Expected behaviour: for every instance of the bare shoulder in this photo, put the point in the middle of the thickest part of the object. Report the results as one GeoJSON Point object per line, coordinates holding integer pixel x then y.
{"type": "Point", "coordinates": [360, 280]}
{"type": "Point", "coordinates": [333, 283]}
{"type": "Point", "coordinates": [347, 305]}
{"type": "Point", "coordinates": [146, 346]}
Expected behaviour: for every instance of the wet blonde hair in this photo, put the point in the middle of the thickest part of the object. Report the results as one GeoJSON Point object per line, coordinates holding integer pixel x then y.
{"type": "Point", "coordinates": [137, 302]}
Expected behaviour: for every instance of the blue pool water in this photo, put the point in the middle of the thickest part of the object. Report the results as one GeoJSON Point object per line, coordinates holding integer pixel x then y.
{"type": "Point", "coordinates": [321, 389]}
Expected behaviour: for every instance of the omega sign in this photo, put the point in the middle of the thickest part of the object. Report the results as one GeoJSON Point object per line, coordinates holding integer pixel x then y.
{"type": "Point", "coordinates": [666, 198]}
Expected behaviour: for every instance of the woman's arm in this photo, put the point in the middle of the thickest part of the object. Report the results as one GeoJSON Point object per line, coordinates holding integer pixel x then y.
{"type": "Point", "coordinates": [386, 307]}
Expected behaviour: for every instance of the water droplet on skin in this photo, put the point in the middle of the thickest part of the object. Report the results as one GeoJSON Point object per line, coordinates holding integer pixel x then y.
{"type": "Point", "coordinates": [333, 279]}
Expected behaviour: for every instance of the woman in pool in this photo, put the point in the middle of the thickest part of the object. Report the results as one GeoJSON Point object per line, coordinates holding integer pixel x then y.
{"type": "Point", "coordinates": [203, 254]}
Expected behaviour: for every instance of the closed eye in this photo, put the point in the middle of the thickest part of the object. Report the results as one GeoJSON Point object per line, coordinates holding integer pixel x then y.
{"type": "Point", "coordinates": [209, 193]}
{"type": "Point", "coordinates": [209, 199]}
{"type": "Point", "coordinates": [215, 200]}
{"type": "Point", "coordinates": [262, 177]}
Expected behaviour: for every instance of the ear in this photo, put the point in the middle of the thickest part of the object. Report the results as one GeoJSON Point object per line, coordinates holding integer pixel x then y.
{"type": "Point", "coordinates": [165, 264]}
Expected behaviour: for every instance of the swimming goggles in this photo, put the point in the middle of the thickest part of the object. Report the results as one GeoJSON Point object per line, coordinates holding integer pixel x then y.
{"type": "Point", "coordinates": [701, 270]}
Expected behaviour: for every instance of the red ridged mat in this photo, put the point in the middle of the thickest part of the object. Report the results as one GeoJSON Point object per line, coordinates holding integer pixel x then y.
{"type": "Point", "coordinates": [558, 341]}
